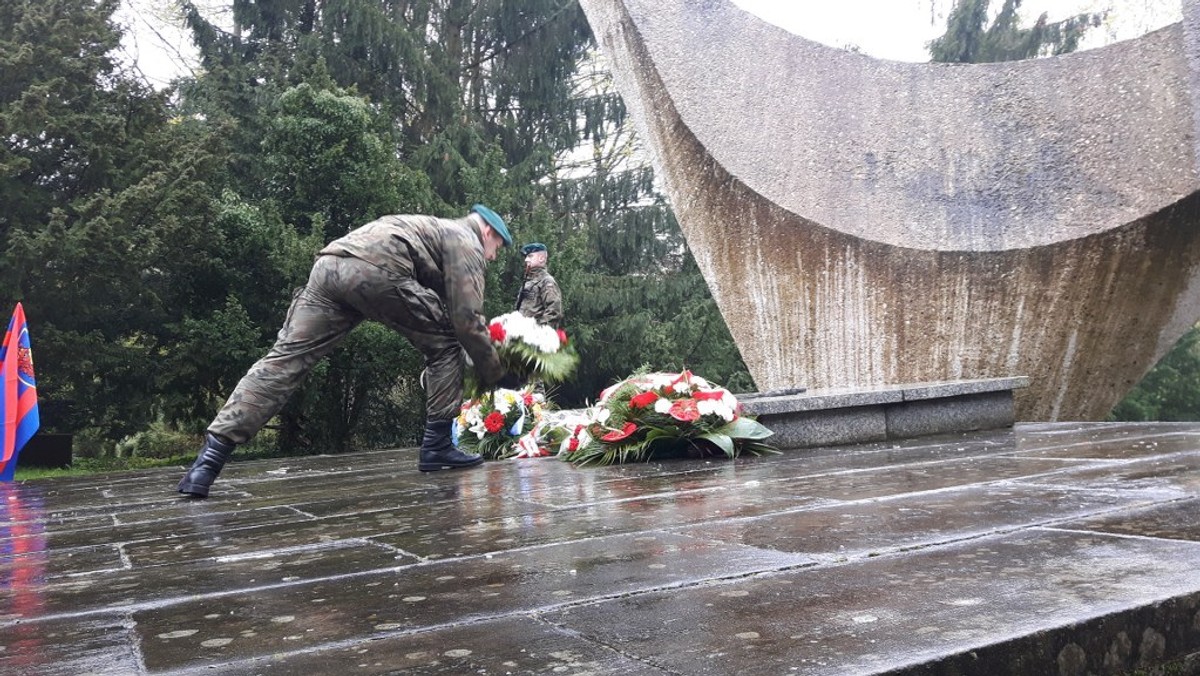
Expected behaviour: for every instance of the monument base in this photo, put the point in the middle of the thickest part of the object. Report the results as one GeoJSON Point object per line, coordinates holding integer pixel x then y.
{"type": "Point", "coordinates": [827, 417]}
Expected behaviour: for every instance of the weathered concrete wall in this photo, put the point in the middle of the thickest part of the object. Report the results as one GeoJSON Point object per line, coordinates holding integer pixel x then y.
{"type": "Point", "coordinates": [864, 222]}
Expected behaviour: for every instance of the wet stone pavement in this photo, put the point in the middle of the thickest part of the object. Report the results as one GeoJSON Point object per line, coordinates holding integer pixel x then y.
{"type": "Point", "coordinates": [1047, 549]}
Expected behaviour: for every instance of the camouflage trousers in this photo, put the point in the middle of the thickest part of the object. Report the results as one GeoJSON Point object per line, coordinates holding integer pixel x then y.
{"type": "Point", "coordinates": [342, 292]}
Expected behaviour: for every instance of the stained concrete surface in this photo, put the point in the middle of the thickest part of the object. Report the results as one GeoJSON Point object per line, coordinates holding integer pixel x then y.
{"type": "Point", "coordinates": [1046, 549]}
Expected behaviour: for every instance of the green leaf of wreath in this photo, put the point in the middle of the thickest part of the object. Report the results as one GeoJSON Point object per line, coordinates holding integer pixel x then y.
{"type": "Point", "coordinates": [722, 441]}
{"type": "Point", "coordinates": [745, 428]}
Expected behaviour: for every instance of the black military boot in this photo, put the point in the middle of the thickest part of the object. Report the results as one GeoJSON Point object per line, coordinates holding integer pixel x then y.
{"type": "Point", "coordinates": [213, 456]}
{"type": "Point", "coordinates": [439, 452]}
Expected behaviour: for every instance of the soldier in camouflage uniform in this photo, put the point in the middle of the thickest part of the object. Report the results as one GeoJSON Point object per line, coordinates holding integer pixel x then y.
{"type": "Point", "coordinates": [540, 297]}
{"type": "Point", "coordinates": [423, 277]}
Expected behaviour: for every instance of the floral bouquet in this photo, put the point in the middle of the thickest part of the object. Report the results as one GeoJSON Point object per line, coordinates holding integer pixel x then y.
{"type": "Point", "coordinates": [492, 424]}
{"type": "Point", "coordinates": [531, 350]}
{"type": "Point", "coordinates": [664, 414]}
{"type": "Point", "coordinates": [553, 434]}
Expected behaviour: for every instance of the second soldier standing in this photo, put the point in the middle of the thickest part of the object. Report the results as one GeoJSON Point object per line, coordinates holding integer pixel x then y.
{"type": "Point", "coordinates": [540, 297]}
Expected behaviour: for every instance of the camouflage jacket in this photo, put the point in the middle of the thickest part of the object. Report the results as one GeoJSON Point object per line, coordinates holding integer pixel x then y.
{"type": "Point", "coordinates": [541, 298]}
{"type": "Point", "coordinates": [445, 256]}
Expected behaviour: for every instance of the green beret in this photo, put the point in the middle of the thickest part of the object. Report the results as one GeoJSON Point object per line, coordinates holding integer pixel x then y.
{"type": "Point", "coordinates": [532, 247]}
{"type": "Point", "coordinates": [493, 219]}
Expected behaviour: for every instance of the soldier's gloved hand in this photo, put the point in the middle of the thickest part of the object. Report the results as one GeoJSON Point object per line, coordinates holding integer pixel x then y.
{"type": "Point", "coordinates": [510, 381]}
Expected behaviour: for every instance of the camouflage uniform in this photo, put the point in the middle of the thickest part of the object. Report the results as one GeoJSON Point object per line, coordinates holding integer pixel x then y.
{"type": "Point", "coordinates": [540, 297]}
{"type": "Point", "coordinates": [422, 276]}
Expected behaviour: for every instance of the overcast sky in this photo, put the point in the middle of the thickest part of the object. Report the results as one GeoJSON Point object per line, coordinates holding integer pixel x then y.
{"type": "Point", "coordinates": [887, 29]}
{"type": "Point", "coordinates": [899, 29]}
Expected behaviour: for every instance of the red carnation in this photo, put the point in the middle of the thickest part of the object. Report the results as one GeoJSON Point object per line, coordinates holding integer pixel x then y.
{"type": "Point", "coordinates": [496, 331]}
{"type": "Point", "coordinates": [684, 410]}
{"type": "Point", "coordinates": [643, 400]}
{"type": "Point", "coordinates": [494, 422]}
{"type": "Point", "coordinates": [617, 435]}
{"type": "Point", "coordinates": [562, 336]}
{"type": "Point", "coordinates": [573, 445]}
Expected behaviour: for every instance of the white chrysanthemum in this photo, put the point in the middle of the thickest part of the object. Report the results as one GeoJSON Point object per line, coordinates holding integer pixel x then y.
{"type": "Point", "coordinates": [528, 324]}
{"type": "Point", "coordinates": [544, 338]}
{"type": "Point", "coordinates": [662, 405]}
{"type": "Point", "coordinates": [653, 381]}
{"type": "Point", "coordinates": [662, 380]}
{"type": "Point", "coordinates": [517, 325]}
{"type": "Point", "coordinates": [715, 407]}
{"type": "Point", "coordinates": [681, 387]}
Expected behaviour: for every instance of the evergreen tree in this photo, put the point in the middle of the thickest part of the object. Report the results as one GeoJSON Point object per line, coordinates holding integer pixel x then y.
{"type": "Point", "coordinates": [105, 217]}
{"type": "Point", "coordinates": [456, 77]}
{"type": "Point", "coordinates": [1169, 391]}
{"type": "Point", "coordinates": [969, 38]}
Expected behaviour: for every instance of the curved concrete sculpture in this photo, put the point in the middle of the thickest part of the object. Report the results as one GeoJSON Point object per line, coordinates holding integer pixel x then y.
{"type": "Point", "coordinates": [864, 222]}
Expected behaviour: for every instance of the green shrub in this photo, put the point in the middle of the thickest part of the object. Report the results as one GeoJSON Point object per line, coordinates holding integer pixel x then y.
{"type": "Point", "coordinates": [159, 441]}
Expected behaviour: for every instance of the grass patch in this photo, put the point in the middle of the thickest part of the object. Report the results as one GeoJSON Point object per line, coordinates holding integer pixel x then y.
{"type": "Point", "coordinates": [90, 466]}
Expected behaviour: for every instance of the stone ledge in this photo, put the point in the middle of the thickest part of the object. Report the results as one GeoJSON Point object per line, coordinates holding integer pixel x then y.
{"type": "Point", "coordinates": [856, 415]}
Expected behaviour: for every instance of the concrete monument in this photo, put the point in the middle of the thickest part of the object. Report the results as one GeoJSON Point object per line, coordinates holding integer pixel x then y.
{"type": "Point", "coordinates": [865, 222]}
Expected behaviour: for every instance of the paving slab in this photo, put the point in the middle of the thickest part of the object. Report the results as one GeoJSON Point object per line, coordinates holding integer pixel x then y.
{"type": "Point", "coordinates": [597, 519]}
{"type": "Point", "coordinates": [154, 586]}
{"type": "Point", "coordinates": [1122, 443]}
{"type": "Point", "coordinates": [521, 645]}
{"type": "Point", "coordinates": [927, 476]}
{"type": "Point", "coordinates": [1178, 473]}
{"type": "Point", "coordinates": [179, 526]}
{"type": "Point", "coordinates": [1172, 521]}
{"type": "Point", "coordinates": [1049, 548]}
{"type": "Point", "coordinates": [1017, 596]}
{"type": "Point", "coordinates": [103, 646]}
{"type": "Point", "coordinates": [33, 560]}
{"type": "Point", "coordinates": [910, 521]}
{"type": "Point", "coordinates": [374, 604]}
